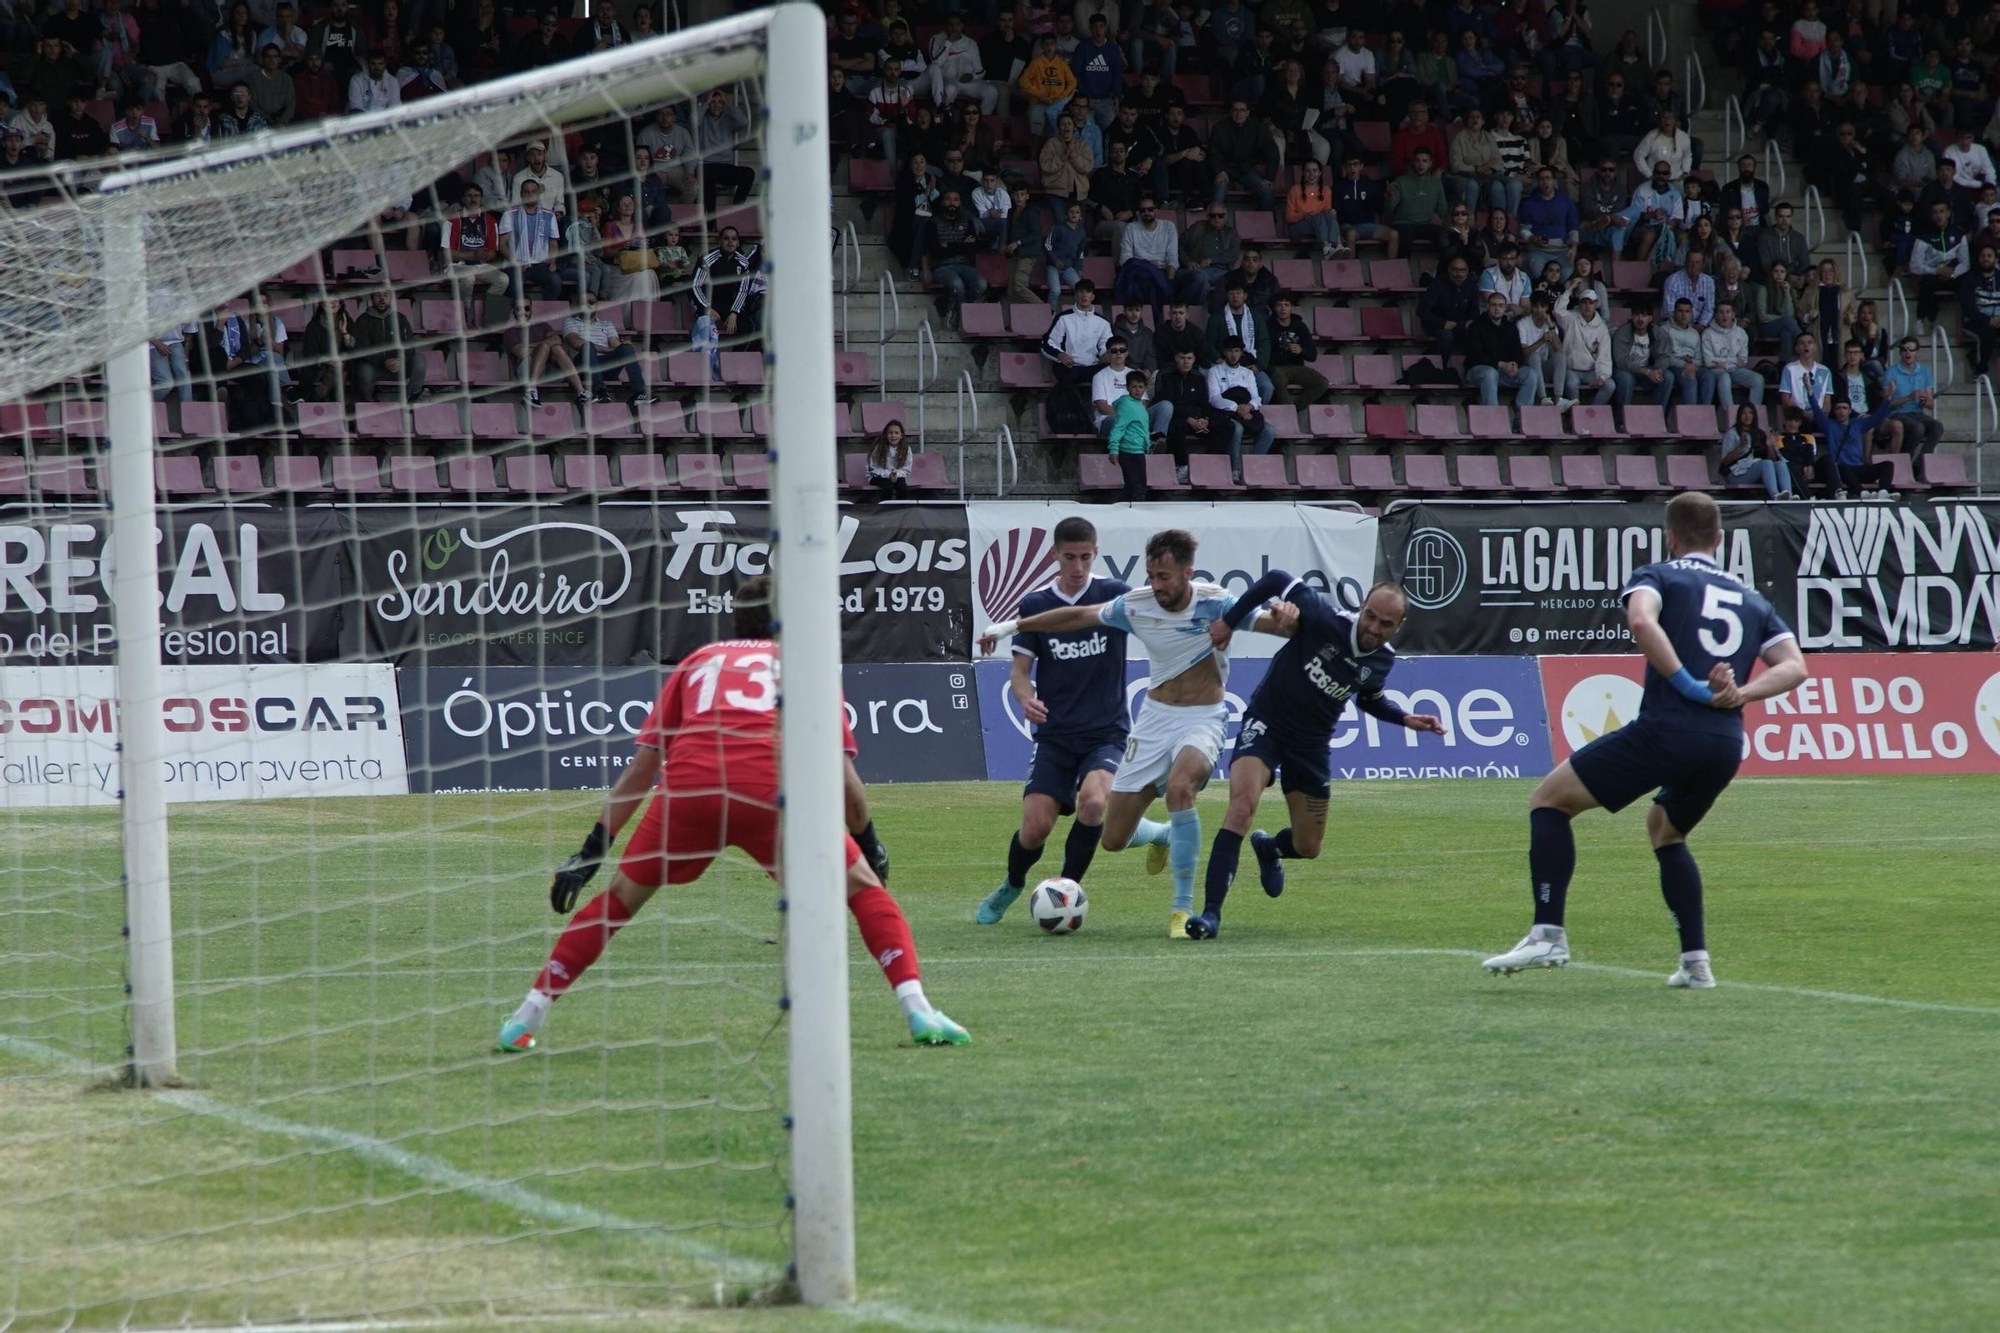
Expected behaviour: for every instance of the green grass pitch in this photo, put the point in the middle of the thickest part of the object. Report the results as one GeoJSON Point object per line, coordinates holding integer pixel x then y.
{"type": "Point", "coordinates": [1328, 1119]}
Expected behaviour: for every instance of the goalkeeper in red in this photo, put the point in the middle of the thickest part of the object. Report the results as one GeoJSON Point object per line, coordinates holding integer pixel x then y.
{"type": "Point", "coordinates": [711, 741]}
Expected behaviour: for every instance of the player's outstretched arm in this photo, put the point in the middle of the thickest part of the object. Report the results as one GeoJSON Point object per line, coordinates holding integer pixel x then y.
{"type": "Point", "coordinates": [1253, 598]}
{"type": "Point", "coordinates": [1047, 622]}
{"type": "Point", "coordinates": [626, 794]}
{"type": "Point", "coordinates": [1379, 705]}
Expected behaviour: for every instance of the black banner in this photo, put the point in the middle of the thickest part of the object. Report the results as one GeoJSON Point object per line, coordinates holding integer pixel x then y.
{"type": "Point", "coordinates": [513, 728]}
{"type": "Point", "coordinates": [1545, 578]}
{"type": "Point", "coordinates": [1872, 576]}
{"type": "Point", "coordinates": [241, 586]}
{"type": "Point", "coordinates": [626, 585]}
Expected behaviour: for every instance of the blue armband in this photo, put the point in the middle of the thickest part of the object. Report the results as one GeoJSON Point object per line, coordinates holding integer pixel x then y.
{"type": "Point", "coordinates": [1689, 688]}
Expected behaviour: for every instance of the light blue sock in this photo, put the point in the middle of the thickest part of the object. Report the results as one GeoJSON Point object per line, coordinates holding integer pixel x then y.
{"type": "Point", "coordinates": [1150, 833]}
{"type": "Point", "coordinates": [1184, 849]}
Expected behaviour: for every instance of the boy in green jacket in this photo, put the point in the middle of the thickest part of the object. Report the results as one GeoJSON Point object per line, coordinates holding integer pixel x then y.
{"type": "Point", "coordinates": [1131, 435]}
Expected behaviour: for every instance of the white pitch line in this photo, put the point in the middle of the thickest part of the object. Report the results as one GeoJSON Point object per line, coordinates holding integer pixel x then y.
{"type": "Point", "coordinates": [520, 1199]}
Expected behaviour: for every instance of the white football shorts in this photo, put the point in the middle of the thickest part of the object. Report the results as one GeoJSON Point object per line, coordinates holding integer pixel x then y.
{"type": "Point", "coordinates": [1161, 732]}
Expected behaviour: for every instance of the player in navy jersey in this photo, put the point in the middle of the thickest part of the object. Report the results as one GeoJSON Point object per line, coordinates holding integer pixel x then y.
{"type": "Point", "coordinates": [1288, 727]}
{"type": "Point", "coordinates": [1071, 686]}
{"type": "Point", "coordinates": [1694, 623]}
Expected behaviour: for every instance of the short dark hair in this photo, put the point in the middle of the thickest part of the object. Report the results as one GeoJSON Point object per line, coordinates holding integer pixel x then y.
{"type": "Point", "coordinates": [1175, 544]}
{"type": "Point", "coordinates": [1075, 530]}
{"type": "Point", "coordinates": [1695, 518]}
{"type": "Point", "coordinates": [1085, 284]}
{"type": "Point", "coordinates": [750, 608]}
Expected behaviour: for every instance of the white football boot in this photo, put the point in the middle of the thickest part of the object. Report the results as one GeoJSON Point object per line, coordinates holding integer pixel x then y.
{"type": "Point", "coordinates": [1536, 950]}
{"type": "Point", "coordinates": [1693, 974]}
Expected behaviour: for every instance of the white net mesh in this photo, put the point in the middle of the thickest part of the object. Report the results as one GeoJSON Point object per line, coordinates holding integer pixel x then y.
{"type": "Point", "coordinates": [416, 508]}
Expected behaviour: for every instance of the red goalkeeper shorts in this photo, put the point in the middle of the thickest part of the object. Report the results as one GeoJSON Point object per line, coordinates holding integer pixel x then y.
{"type": "Point", "coordinates": [679, 835]}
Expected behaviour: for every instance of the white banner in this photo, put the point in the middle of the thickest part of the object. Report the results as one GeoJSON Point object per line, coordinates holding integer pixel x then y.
{"type": "Point", "coordinates": [1013, 550]}
{"type": "Point", "coordinates": [234, 733]}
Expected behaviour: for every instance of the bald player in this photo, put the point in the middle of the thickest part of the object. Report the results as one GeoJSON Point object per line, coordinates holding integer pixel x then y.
{"type": "Point", "coordinates": [1288, 726]}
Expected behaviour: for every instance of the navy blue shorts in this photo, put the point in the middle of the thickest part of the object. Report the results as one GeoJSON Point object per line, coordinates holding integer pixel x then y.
{"type": "Point", "coordinates": [1688, 770]}
{"type": "Point", "coordinates": [1295, 765]}
{"type": "Point", "coordinates": [1058, 766]}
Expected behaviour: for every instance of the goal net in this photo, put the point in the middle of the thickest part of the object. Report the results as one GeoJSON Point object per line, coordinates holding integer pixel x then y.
{"type": "Point", "coordinates": [341, 469]}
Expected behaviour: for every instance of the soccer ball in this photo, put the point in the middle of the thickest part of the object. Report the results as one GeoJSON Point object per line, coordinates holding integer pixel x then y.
{"type": "Point", "coordinates": [1058, 906]}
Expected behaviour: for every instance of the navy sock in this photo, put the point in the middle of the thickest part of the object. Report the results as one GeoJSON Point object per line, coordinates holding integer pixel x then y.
{"type": "Point", "coordinates": [1282, 845]}
{"type": "Point", "coordinates": [1680, 885]}
{"type": "Point", "coordinates": [1020, 860]}
{"type": "Point", "coordinates": [1080, 848]}
{"type": "Point", "coordinates": [1551, 862]}
{"type": "Point", "coordinates": [1223, 854]}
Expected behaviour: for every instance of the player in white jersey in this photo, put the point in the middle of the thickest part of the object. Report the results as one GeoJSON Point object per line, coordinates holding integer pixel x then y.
{"type": "Point", "coordinates": [1174, 744]}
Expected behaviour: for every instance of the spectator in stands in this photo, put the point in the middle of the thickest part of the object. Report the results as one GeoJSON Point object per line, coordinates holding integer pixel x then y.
{"type": "Point", "coordinates": [1239, 320]}
{"type": "Point", "coordinates": [954, 254]}
{"type": "Point", "coordinates": [1512, 149]}
{"type": "Point", "coordinates": [1725, 359]}
{"type": "Point", "coordinates": [1601, 200]}
{"type": "Point", "coordinates": [1765, 79]}
{"type": "Point", "coordinates": [1242, 153]}
{"type": "Point", "coordinates": [529, 237]}
{"type": "Point", "coordinates": [673, 151]}
{"type": "Point", "coordinates": [271, 91]}
{"type": "Point", "coordinates": [167, 353]}
{"type": "Point", "coordinates": [1184, 388]}
{"type": "Point", "coordinates": [1108, 385]}
{"type": "Point", "coordinates": [1359, 83]}
{"type": "Point", "coordinates": [1773, 308]}
{"type": "Point", "coordinates": [1745, 453]}
{"type": "Point", "coordinates": [1494, 359]}
{"type": "Point", "coordinates": [1233, 28]}
{"type": "Point", "coordinates": [890, 461]}
{"type": "Point", "coordinates": [1062, 252]}
{"type": "Point", "coordinates": [1915, 166]}
{"type": "Point", "coordinates": [1436, 69]}
{"type": "Point", "coordinates": [1113, 203]}
{"type": "Point", "coordinates": [1780, 244]}
{"type": "Point", "coordinates": [1236, 400]}
{"type": "Point", "coordinates": [1974, 166]}
{"type": "Point", "coordinates": [232, 54]}
{"type": "Point", "coordinates": [1867, 330]}
{"type": "Point", "coordinates": [1416, 206]}
{"type": "Point", "coordinates": [992, 206]}
{"type": "Point", "coordinates": [1586, 342]}
{"type": "Point", "coordinates": [384, 342]}
{"type": "Point", "coordinates": [135, 131]}
{"type": "Point", "coordinates": [1048, 83]}
{"type": "Point", "coordinates": [1293, 379]}
{"type": "Point", "coordinates": [1979, 309]}
{"type": "Point", "coordinates": [956, 69]}
{"type": "Point", "coordinates": [1130, 328]}
{"type": "Point", "coordinates": [1480, 71]}
{"type": "Point", "coordinates": [1542, 349]}
{"type": "Point", "coordinates": [1906, 112]}
{"type": "Point", "coordinates": [531, 348]}
{"type": "Point", "coordinates": [600, 30]}
{"type": "Point", "coordinates": [1179, 334]}
{"type": "Point", "coordinates": [1449, 304]}
{"type": "Point", "coordinates": [1970, 105]}
{"type": "Point", "coordinates": [1549, 220]}
{"type": "Point", "coordinates": [1847, 174]}
{"type": "Point", "coordinates": [1148, 259]}
{"type": "Point", "coordinates": [1509, 280]}
{"type": "Point", "coordinates": [594, 344]}
{"type": "Point", "coordinates": [1548, 148]}
{"type": "Point", "coordinates": [541, 47]}
{"type": "Point", "coordinates": [1178, 171]}
{"type": "Point", "coordinates": [1252, 69]}
{"type": "Point", "coordinates": [1357, 207]}
{"type": "Point", "coordinates": [1911, 391]}
{"type": "Point", "coordinates": [1827, 308]}
{"type": "Point", "coordinates": [1636, 357]}
{"type": "Point", "coordinates": [1667, 143]}
{"type": "Point", "coordinates": [955, 176]}
{"type": "Point", "coordinates": [482, 40]}
{"type": "Point", "coordinates": [1066, 164]}
{"type": "Point", "coordinates": [322, 347]}
{"type": "Point", "coordinates": [554, 186]}
{"type": "Point", "coordinates": [1689, 283]}
{"type": "Point", "coordinates": [1155, 39]}
{"type": "Point", "coordinates": [374, 88]}
{"type": "Point", "coordinates": [1805, 383]}
{"type": "Point", "coordinates": [1259, 283]}
{"type": "Point", "coordinates": [1844, 460]}
{"type": "Point", "coordinates": [316, 93]}
{"type": "Point", "coordinates": [470, 242]}
{"type": "Point", "coordinates": [1007, 52]}
{"type": "Point", "coordinates": [1309, 212]}
{"type": "Point", "coordinates": [421, 75]}
{"type": "Point", "coordinates": [889, 107]}
{"type": "Point", "coordinates": [239, 116]}
{"type": "Point", "coordinates": [1852, 381]}
{"type": "Point", "coordinates": [200, 127]}
{"type": "Point", "coordinates": [1290, 108]}
{"type": "Point", "coordinates": [292, 40]}
{"type": "Point", "coordinates": [1100, 70]}
{"type": "Point", "coordinates": [1417, 132]}
{"type": "Point", "coordinates": [1023, 245]}
{"type": "Point", "coordinates": [1938, 261]}
{"type": "Point", "coordinates": [722, 287]}
{"type": "Point", "coordinates": [1209, 252]}
{"type": "Point", "coordinates": [1475, 165]}
{"type": "Point", "coordinates": [717, 133]}
{"type": "Point", "coordinates": [1621, 117]}
{"type": "Point", "coordinates": [1075, 345]}
{"type": "Point", "coordinates": [852, 54]}
{"type": "Point", "coordinates": [588, 259]}
{"type": "Point", "coordinates": [78, 135]}
{"type": "Point", "coordinates": [1747, 196]}
{"type": "Point", "coordinates": [1126, 434]}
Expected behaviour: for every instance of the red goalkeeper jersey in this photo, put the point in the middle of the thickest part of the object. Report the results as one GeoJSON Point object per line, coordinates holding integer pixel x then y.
{"type": "Point", "coordinates": [717, 721]}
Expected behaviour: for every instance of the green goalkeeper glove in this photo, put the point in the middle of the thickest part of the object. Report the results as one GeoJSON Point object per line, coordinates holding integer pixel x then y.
{"type": "Point", "coordinates": [574, 873]}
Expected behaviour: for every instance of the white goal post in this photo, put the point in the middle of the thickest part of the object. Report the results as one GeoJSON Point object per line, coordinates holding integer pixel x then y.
{"type": "Point", "coordinates": [91, 277]}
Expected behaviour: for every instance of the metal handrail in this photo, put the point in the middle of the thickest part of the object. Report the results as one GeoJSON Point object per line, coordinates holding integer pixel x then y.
{"type": "Point", "coordinates": [1857, 258]}
{"type": "Point", "coordinates": [1003, 457]}
{"type": "Point", "coordinates": [1735, 131]}
{"type": "Point", "coordinates": [1774, 170]}
{"type": "Point", "coordinates": [1982, 394]}
{"type": "Point", "coordinates": [1898, 298]}
{"type": "Point", "coordinates": [850, 273]}
{"type": "Point", "coordinates": [1813, 203]}
{"type": "Point", "coordinates": [961, 390]}
{"type": "Point", "coordinates": [922, 390]}
{"type": "Point", "coordinates": [887, 300]}
{"type": "Point", "coordinates": [1693, 73]}
{"type": "Point", "coordinates": [1940, 340]}
{"type": "Point", "coordinates": [1654, 55]}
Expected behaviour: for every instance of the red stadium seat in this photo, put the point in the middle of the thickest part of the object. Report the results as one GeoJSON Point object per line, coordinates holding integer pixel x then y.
{"type": "Point", "coordinates": [1584, 472]}
{"type": "Point", "coordinates": [1319, 472]}
{"type": "Point", "coordinates": [1262, 472]}
{"type": "Point", "coordinates": [1530, 474]}
{"type": "Point", "coordinates": [1371, 472]}
{"type": "Point", "coordinates": [701, 472]}
{"type": "Point", "coordinates": [645, 472]}
{"type": "Point", "coordinates": [1096, 472]}
{"type": "Point", "coordinates": [1479, 472]}
{"type": "Point", "coordinates": [1426, 473]}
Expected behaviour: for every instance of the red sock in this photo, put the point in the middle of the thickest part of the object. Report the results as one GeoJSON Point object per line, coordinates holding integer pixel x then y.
{"type": "Point", "coordinates": [582, 941]}
{"type": "Point", "coordinates": [886, 933]}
